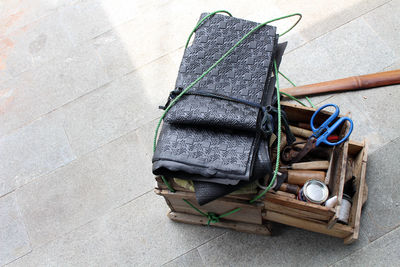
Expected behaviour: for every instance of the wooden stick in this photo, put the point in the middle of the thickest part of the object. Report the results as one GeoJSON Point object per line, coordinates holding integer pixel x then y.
{"type": "Point", "coordinates": [310, 165]}
{"type": "Point", "coordinates": [300, 177]}
{"type": "Point", "coordinates": [300, 131]}
{"type": "Point", "coordinates": [347, 84]}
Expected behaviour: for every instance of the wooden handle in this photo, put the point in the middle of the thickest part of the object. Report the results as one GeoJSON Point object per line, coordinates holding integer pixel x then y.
{"type": "Point", "coordinates": [300, 131]}
{"type": "Point", "coordinates": [300, 177]}
{"type": "Point", "coordinates": [290, 188]}
{"type": "Point", "coordinates": [311, 165]}
{"type": "Point", "coordinates": [347, 84]}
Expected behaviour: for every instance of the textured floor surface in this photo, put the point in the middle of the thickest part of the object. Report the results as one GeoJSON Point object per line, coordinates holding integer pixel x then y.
{"type": "Point", "coordinates": [80, 83]}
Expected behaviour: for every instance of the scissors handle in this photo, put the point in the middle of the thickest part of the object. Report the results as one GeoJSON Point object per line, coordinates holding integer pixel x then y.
{"type": "Point", "coordinates": [319, 130]}
{"type": "Point", "coordinates": [323, 131]}
{"type": "Point", "coordinates": [325, 135]}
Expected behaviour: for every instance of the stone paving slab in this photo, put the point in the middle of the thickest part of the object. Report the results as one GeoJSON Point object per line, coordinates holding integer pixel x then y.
{"type": "Point", "coordinates": [352, 49]}
{"type": "Point", "coordinates": [382, 252]}
{"type": "Point", "coordinates": [33, 151]}
{"type": "Point", "coordinates": [386, 23]}
{"type": "Point", "coordinates": [86, 188]}
{"type": "Point", "coordinates": [119, 107]}
{"type": "Point", "coordinates": [36, 43]}
{"type": "Point", "coordinates": [17, 14]}
{"type": "Point", "coordinates": [287, 247]}
{"type": "Point", "coordinates": [50, 86]}
{"type": "Point", "coordinates": [321, 17]}
{"type": "Point", "coordinates": [88, 19]}
{"type": "Point", "coordinates": [382, 211]}
{"type": "Point", "coordinates": [138, 233]}
{"type": "Point", "coordinates": [14, 240]}
{"type": "Point", "coordinates": [84, 192]}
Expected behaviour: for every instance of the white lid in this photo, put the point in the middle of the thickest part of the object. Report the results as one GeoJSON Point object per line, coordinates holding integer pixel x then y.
{"type": "Point", "coordinates": [315, 191]}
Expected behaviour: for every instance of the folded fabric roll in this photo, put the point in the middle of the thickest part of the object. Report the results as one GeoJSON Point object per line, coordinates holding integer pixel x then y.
{"type": "Point", "coordinates": [186, 152]}
{"type": "Point", "coordinates": [212, 135]}
{"type": "Point", "coordinates": [242, 75]}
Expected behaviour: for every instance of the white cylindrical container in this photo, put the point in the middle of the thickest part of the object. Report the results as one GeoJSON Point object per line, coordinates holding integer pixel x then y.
{"type": "Point", "coordinates": [344, 212]}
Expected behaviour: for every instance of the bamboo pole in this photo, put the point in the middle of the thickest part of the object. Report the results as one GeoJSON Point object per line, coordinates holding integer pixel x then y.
{"type": "Point", "coordinates": [347, 84]}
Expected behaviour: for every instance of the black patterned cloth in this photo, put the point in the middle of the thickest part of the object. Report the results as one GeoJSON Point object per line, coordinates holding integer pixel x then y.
{"type": "Point", "coordinates": [215, 142]}
{"type": "Point", "coordinates": [242, 75]}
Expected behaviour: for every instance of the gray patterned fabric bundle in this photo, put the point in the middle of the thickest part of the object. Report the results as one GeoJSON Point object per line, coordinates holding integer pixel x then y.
{"type": "Point", "coordinates": [208, 136]}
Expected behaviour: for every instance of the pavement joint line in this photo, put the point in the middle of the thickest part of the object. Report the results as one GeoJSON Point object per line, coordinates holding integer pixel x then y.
{"type": "Point", "coordinates": [152, 61]}
{"type": "Point", "coordinates": [129, 201]}
{"type": "Point", "coordinates": [391, 141]}
{"type": "Point", "coordinates": [14, 260]}
{"type": "Point", "coordinates": [195, 248]}
{"type": "Point", "coordinates": [370, 243]}
{"type": "Point", "coordinates": [69, 142]}
{"type": "Point", "coordinates": [8, 193]}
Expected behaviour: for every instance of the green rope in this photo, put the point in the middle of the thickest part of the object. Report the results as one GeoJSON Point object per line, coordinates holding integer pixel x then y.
{"type": "Point", "coordinates": [292, 97]}
{"type": "Point", "coordinates": [167, 184]}
{"type": "Point", "coordinates": [211, 68]}
{"type": "Point", "coordinates": [211, 216]}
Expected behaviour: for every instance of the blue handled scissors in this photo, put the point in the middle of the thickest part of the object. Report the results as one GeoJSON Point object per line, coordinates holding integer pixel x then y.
{"type": "Point", "coordinates": [322, 132]}
{"type": "Point", "coordinates": [320, 135]}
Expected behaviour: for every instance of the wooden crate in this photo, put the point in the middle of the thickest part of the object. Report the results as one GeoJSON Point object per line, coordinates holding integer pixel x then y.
{"type": "Point", "coordinates": [346, 160]}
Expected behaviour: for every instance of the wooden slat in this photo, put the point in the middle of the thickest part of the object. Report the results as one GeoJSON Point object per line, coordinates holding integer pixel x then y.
{"type": "Point", "coordinates": [355, 147]}
{"type": "Point", "coordinates": [250, 213]}
{"type": "Point", "coordinates": [365, 195]}
{"type": "Point", "coordinates": [307, 215]}
{"type": "Point", "coordinates": [330, 168]}
{"type": "Point", "coordinates": [339, 179]}
{"type": "Point", "coordinates": [357, 203]}
{"type": "Point", "coordinates": [238, 226]}
{"type": "Point", "coordinates": [360, 195]}
{"type": "Point", "coordinates": [297, 204]}
{"type": "Point", "coordinates": [338, 230]}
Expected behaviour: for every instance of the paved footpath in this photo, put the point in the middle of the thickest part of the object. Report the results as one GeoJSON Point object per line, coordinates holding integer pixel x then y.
{"type": "Point", "coordinates": [80, 83]}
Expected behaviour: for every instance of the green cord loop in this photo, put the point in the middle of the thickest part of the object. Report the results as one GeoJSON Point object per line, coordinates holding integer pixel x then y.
{"type": "Point", "coordinates": [292, 97]}
{"type": "Point", "coordinates": [211, 216]}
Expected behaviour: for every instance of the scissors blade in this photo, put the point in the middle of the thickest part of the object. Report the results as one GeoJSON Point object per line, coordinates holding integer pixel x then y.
{"type": "Point", "coordinates": [310, 145]}
{"type": "Point", "coordinates": [295, 156]}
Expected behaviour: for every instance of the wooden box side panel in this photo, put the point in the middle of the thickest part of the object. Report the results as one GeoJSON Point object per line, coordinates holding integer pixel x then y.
{"type": "Point", "coordinates": [284, 201]}
{"type": "Point", "coordinates": [337, 230]}
{"type": "Point", "coordinates": [248, 213]}
{"type": "Point", "coordinates": [359, 172]}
